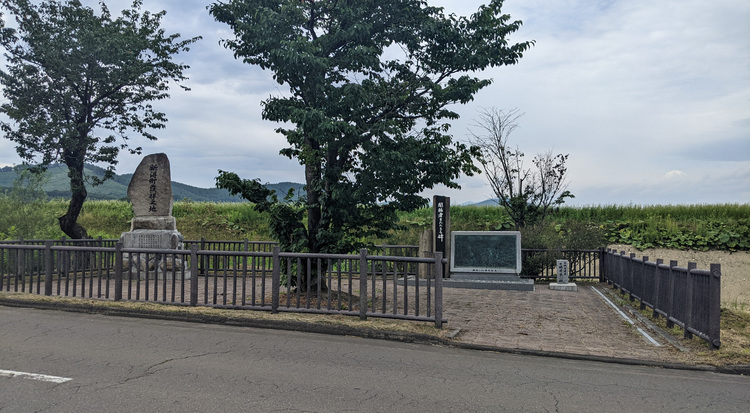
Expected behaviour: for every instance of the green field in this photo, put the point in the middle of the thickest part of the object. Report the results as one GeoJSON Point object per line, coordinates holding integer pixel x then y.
{"type": "Point", "coordinates": [724, 227]}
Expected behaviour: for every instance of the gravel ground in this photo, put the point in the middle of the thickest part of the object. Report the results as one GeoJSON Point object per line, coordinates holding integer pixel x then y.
{"type": "Point", "coordinates": [735, 269]}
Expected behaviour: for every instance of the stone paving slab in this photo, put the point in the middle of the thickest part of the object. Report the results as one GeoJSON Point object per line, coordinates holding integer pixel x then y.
{"type": "Point", "coordinates": [576, 322]}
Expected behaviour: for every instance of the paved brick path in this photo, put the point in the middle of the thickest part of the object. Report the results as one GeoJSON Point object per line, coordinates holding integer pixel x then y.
{"type": "Point", "coordinates": [570, 322]}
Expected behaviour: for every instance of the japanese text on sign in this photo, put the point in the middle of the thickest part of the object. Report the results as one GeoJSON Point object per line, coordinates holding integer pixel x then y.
{"type": "Point", "coordinates": [153, 168]}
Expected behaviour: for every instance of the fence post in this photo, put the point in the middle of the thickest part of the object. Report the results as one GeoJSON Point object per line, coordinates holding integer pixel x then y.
{"type": "Point", "coordinates": [438, 289]}
{"type": "Point", "coordinates": [714, 307]}
{"type": "Point", "coordinates": [621, 267]}
{"type": "Point", "coordinates": [118, 271]}
{"type": "Point", "coordinates": [657, 288]}
{"type": "Point", "coordinates": [48, 268]}
{"type": "Point", "coordinates": [21, 275]}
{"type": "Point", "coordinates": [642, 283]}
{"type": "Point", "coordinates": [689, 299]}
{"type": "Point", "coordinates": [202, 263]}
{"type": "Point", "coordinates": [670, 305]}
{"type": "Point", "coordinates": [275, 279]}
{"type": "Point", "coordinates": [363, 284]}
{"type": "Point", "coordinates": [631, 269]}
{"type": "Point", "coordinates": [194, 271]}
{"type": "Point", "coordinates": [602, 274]}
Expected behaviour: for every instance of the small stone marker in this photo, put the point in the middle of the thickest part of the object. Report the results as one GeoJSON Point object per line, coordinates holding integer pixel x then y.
{"type": "Point", "coordinates": [563, 278]}
{"type": "Point", "coordinates": [563, 272]}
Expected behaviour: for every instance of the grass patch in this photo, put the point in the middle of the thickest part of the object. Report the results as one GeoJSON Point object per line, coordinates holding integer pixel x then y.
{"type": "Point", "coordinates": [325, 320]}
{"type": "Point", "coordinates": [735, 336]}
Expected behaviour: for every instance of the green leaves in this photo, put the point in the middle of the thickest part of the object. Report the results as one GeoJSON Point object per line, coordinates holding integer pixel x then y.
{"type": "Point", "coordinates": [370, 85]}
{"type": "Point", "coordinates": [72, 74]}
{"type": "Point", "coordinates": [76, 81]}
{"type": "Point", "coordinates": [664, 233]}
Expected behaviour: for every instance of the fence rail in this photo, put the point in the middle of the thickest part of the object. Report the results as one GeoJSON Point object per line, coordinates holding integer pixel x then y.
{"type": "Point", "coordinates": [540, 264]}
{"type": "Point", "coordinates": [256, 275]}
{"type": "Point", "coordinates": [685, 296]}
{"type": "Point", "coordinates": [231, 275]}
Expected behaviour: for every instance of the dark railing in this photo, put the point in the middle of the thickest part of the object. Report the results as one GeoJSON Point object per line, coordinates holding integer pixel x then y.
{"type": "Point", "coordinates": [239, 277]}
{"type": "Point", "coordinates": [246, 246]}
{"type": "Point", "coordinates": [685, 296]}
{"type": "Point", "coordinates": [540, 264]}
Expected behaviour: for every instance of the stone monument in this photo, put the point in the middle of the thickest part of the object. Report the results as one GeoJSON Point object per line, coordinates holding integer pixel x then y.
{"type": "Point", "coordinates": [153, 226]}
{"type": "Point", "coordinates": [563, 278]}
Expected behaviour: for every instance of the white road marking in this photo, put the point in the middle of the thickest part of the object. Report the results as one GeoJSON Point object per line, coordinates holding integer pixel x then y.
{"type": "Point", "coordinates": [643, 333]}
{"type": "Point", "coordinates": [34, 376]}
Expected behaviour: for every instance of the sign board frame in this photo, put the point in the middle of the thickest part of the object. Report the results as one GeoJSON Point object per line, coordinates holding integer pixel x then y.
{"type": "Point", "coordinates": [484, 256]}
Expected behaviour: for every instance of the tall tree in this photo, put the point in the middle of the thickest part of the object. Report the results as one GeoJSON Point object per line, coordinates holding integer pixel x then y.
{"type": "Point", "coordinates": [77, 81]}
{"type": "Point", "coordinates": [528, 194]}
{"type": "Point", "coordinates": [370, 85]}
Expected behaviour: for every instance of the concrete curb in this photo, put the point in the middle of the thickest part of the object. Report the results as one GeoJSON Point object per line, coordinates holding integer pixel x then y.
{"type": "Point", "coordinates": [355, 332]}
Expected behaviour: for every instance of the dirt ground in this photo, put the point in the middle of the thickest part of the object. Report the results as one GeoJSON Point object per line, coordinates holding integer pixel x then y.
{"type": "Point", "coordinates": [735, 269]}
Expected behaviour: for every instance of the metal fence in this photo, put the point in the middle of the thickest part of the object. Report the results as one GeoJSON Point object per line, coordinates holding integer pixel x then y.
{"type": "Point", "coordinates": [685, 296]}
{"type": "Point", "coordinates": [236, 275]}
{"type": "Point", "coordinates": [540, 264]}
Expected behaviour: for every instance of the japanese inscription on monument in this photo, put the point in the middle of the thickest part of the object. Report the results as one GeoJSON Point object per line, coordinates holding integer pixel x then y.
{"type": "Point", "coordinates": [152, 188]}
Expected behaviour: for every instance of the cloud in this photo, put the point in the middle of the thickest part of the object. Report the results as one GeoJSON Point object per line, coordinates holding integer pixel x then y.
{"type": "Point", "coordinates": [633, 90]}
{"type": "Point", "coordinates": [675, 174]}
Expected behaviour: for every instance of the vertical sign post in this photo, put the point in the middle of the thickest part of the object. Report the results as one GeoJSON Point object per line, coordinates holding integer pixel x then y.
{"type": "Point", "coordinates": [563, 271]}
{"type": "Point", "coordinates": [441, 227]}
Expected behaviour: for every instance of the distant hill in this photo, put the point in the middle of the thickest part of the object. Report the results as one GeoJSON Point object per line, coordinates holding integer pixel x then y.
{"type": "Point", "coordinates": [58, 186]}
{"type": "Point", "coordinates": [486, 202]}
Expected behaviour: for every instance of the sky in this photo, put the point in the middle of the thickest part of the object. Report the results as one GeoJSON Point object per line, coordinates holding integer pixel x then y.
{"type": "Point", "coordinates": [650, 100]}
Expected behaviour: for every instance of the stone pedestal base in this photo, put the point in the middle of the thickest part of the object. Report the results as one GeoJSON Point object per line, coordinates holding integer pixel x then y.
{"type": "Point", "coordinates": [153, 223]}
{"type": "Point", "coordinates": [483, 281]}
{"type": "Point", "coordinates": [162, 264]}
{"type": "Point", "coordinates": [563, 287]}
{"type": "Point", "coordinates": [153, 239]}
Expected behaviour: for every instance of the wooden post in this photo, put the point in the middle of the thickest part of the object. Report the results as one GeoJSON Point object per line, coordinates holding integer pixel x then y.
{"type": "Point", "coordinates": [714, 307]}
{"type": "Point", "coordinates": [118, 271]}
{"type": "Point", "coordinates": [631, 268]}
{"type": "Point", "coordinates": [194, 272]}
{"type": "Point", "coordinates": [48, 267]}
{"type": "Point", "coordinates": [657, 289]}
{"type": "Point", "coordinates": [275, 279]}
{"type": "Point", "coordinates": [670, 305]}
{"type": "Point", "coordinates": [439, 289]}
{"type": "Point", "coordinates": [643, 288]}
{"type": "Point", "coordinates": [363, 284]}
{"type": "Point", "coordinates": [441, 228]}
{"type": "Point", "coordinates": [689, 287]}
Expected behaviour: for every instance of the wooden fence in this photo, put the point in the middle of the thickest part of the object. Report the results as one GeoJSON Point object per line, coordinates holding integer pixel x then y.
{"type": "Point", "coordinates": [685, 296]}
{"type": "Point", "coordinates": [361, 284]}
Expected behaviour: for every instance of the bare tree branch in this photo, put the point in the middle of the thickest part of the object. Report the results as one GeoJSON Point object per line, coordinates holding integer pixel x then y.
{"type": "Point", "coordinates": [527, 194]}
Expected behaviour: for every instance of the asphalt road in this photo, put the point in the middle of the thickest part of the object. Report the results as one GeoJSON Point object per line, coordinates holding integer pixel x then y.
{"type": "Point", "coordinates": [137, 365]}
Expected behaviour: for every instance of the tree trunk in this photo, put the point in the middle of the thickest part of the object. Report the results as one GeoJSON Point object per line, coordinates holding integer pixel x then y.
{"type": "Point", "coordinates": [314, 217]}
{"type": "Point", "coordinates": [69, 222]}
{"type": "Point", "coordinates": [312, 181]}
